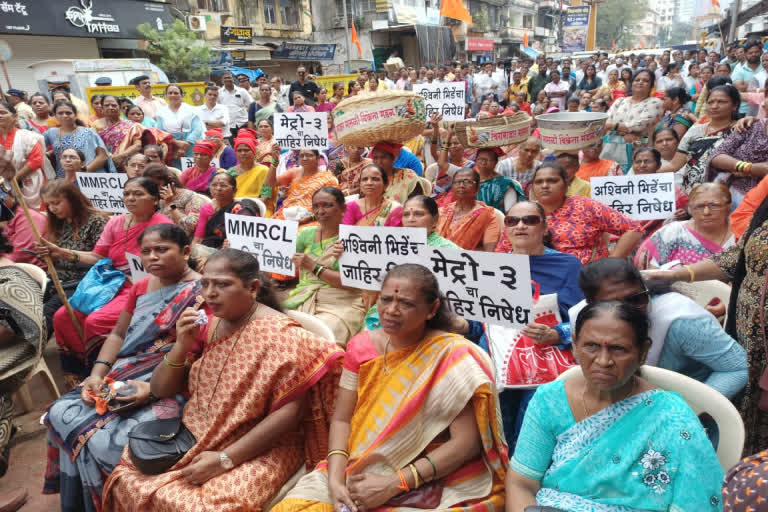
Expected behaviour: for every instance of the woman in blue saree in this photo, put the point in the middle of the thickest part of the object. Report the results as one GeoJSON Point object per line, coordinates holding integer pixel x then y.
{"type": "Point", "coordinates": [83, 445]}
{"type": "Point", "coordinates": [609, 441]}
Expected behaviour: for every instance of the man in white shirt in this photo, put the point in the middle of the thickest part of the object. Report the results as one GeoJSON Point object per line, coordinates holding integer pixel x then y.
{"type": "Point", "coordinates": [211, 113]}
{"type": "Point", "coordinates": [484, 83]}
{"type": "Point", "coordinates": [148, 103]}
{"type": "Point", "coordinates": [237, 100]}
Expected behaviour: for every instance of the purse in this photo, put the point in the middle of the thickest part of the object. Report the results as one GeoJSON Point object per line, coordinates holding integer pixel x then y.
{"type": "Point", "coordinates": [155, 446]}
{"type": "Point", "coordinates": [616, 150]}
{"type": "Point", "coordinates": [98, 287]}
{"type": "Point", "coordinates": [427, 497]}
{"type": "Point", "coordinates": [762, 402]}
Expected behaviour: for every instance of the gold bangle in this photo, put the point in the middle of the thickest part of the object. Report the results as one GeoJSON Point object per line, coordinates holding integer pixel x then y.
{"type": "Point", "coordinates": [167, 362]}
{"type": "Point", "coordinates": [691, 273]}
{"type": "Point", "coordinates": [415, 473]}
{"type": "Point", "coordinates": [337, 452]}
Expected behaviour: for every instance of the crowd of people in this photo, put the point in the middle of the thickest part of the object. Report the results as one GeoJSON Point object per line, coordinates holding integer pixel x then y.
{"type": "Point", "coordinates": [400, 409]}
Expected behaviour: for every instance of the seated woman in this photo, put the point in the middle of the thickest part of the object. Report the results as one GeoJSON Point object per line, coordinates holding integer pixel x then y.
{"type": "Point", "coordinates": [225, 154]}
{"type": "Point", "coordinates": [592, 165]}
{"type": "Point", "coordinates": [73, 225]}
{"type": "Point", "coordinates": [256, 427]}
{"type": "Point", "coordinates": [706, 234]}
{"type": "Point", "coordinates": [351, 167]}
{"type": "Point", "coordinates": [467, 222]}
{"type": "Point", "coordinates": [319, 291]}
{"type": "Point", "coordinates": [449, 160]}
{"type": "Point", "coordinates": [310, 179]}
{"type": "Point", "coordinates": [656, 454]}
{"type": "Point", "coordinates": [179, 204]}
{"type": "Point", "coordinates": [135, 165]}
{"type": "Point", "coordinates": [666, 141]}
{"type": "Point", "coordinates": [686, 338]}
{"type": "Point", "coordinates": [678, 117]}
{"type": "Point", "coordinates": [497, 191]}
{"type": "Point", "coordinates": [136, 114]}
{"type": "Point", "coordinates": [198, 177]}
{"type": "Point", "coordinates": [373, 209]}
{"type": "Point", "coordinates": [522, 168]}
{"type": "Point", "coordinates": [555, 272]}
{"type": "Point", "coordinates": [141, 197]}
{"type": "Point", "coordinates": [578, 223]}
{"type": "Point", "coordinates": [210, 230]}
{"type": "Point", "coordinates": [85, 444]}
{"type": "Point", "coordinates": [416, 408]}
{"type": "Point", "coordinates": [403, 183]}
{"type": "Point", "coordinates": [253, 179]}
{"type": "Point", "coordinates": [72, 162]}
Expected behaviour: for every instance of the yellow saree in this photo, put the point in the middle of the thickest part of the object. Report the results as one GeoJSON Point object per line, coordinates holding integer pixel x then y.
{"type": "Point", "coordinates": [400, 414]}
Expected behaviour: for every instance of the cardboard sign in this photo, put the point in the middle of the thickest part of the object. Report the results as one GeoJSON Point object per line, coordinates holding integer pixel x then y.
{"type": "Point", "coordinates": [641, 197]}
{"type": "Point", "coordinates": [188, 161]}
{"type": "Point", "coordinates": [103, 189]}
{"type": "Point", "coordinates": [446, 99]}
{"type": "Point", "coordinates": [272, 241]}
{"type": "Point", "coordinates": [369, 253]}
{"type": "Point", "coordinates": [302, 130]}
{"type": "Point", "coordinates": [136, 267]}
{"type": "Point", "coordinates": [484, 286]}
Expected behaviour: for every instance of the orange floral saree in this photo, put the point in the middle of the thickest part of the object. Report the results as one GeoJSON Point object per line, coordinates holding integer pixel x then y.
{"type": "Point", "coordinates": [468, 231]}
{"type": "Point", "coordinates": [275, 362]}
{"type": "Point", "coordinates": [302, 189]}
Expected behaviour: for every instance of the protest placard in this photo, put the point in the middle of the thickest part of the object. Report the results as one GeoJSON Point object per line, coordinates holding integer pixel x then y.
{"type": "Point", "coordinates": [446, 99]}
{"type": "Point", "coordinates": [302, 130]}
{"type": "Point", "coordinates": [104, 189]}
{"type": "Point", "coordinates": [369, 253]}
{"type": "Point", "coordinates": [136, 267]}
{"type": "Point", "coordinates": [484, 286]}
{"type": "Point", "coordinates": [272, 241]}
{"type": "Point", "coordinates": [189, 161]}
{"type": "Point", "coordinates": [641, 197]}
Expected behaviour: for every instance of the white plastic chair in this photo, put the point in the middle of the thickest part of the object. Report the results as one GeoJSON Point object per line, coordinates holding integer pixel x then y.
{"type": "Point", "coordinates": [312, 324]}
{"type": "Point", "coordinates": [259, 203]}
{"type": "Point", "coordinates": [37, 363]}
{"type": "Point", "coordinates": [701, 398]}
{"type": "Point", "coordinates": [426, 186]}
{"type": "Point", "coordinates": [352, 197]}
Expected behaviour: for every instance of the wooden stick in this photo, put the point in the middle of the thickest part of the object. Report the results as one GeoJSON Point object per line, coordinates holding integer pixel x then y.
{"type": "Point", "coordinates": [48, 260]}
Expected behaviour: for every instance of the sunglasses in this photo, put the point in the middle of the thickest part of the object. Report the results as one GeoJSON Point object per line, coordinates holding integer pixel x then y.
{"type": "Point", "coordinates": [528, 220]}
{"type": "Point", "coordinates": [638, 299]}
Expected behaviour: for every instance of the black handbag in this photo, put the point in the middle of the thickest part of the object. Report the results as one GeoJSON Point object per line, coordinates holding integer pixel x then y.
{"type": "Point", "coordinates": [155, 446]}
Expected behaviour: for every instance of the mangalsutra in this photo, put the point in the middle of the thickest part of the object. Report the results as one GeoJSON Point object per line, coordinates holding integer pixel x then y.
{"type": "Point", "coordinates": [386, 349]}
{"type": "Point", "coordinates": [584, 399]}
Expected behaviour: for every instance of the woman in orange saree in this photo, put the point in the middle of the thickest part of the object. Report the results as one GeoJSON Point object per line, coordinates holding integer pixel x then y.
{"type": "Point", "coordinates": [257, 417]}
{"type": "Point", "coordinates": [303, 187]}
{"type": "Point", "coordinates": [416, 423]}
{"type": "Point", "coordinates": [469, 223]}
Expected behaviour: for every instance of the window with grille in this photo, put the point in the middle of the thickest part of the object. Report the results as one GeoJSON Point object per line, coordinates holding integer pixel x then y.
{"type": "Point", "coordinates": [213, 5]}
{"type": "Point", "coordinates": [270, 14]}
{"type": "Point", "coordinates": [289, 13]}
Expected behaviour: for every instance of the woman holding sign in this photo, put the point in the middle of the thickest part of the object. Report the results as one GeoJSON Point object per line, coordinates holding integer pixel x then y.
{"type": "Point", "coordinates": [211, 230]}
{"type": "Point", "coordinates": [415, 422]}
{"type": "Point", "coordinates": [373, 209]}
{"type": "Point", "coordinates": [319, 291]}
{"type": "Point", "coordinates": [302, 189]}
{"type": "Point", "coordinates": [118, 240]}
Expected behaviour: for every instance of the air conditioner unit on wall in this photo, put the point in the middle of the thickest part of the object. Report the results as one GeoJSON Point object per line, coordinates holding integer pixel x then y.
{"type": "Point", "coordinates": [196, 23]}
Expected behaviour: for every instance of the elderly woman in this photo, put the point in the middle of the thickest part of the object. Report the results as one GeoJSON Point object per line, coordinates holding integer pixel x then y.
{"type": "Point", "coordinates": [416, 409]}
{"type": "Point", "coordinates": [373, 209]}
{"type": "Point", "coordinates": [303, 187]}
{"type": "Point", "coordinates": [707, 233]}
{"type": "Point", "coordinates": [265, 149]}
{"type": "Point", "coordinates": [449, 159]}
{"type": "Point", "coordinates": [254, 179]}
{"type": "Point", "coordinates": [578, 223]}
{"type": "Point", "coordinates": [299, 104]}
{"type": "Point", "coordinates": [657, 455]}
{"type": "Point", "coordinates": [403, 183]}
{"type": "Point", "coordinates": [84, 446]}
{"type": "Point", "coordinates": [467, 222]}
{"type": "Point", "coordinates": [198, 177]}
{"type": "Point", "coordinates": [319, 291]}
{"type": "Point", "coordinates": [178, 203]}
{"type": "Point", "coordinates": [612, 84]}
{"type": "Point", "coordinates": [251, 428]}
{"type": "Point", "coordinates": [26, 152]}
{"type": "Point", "coordinates": [351, 167]}
{"type": "Point", "coordinates": [594, 166]}
{"type": "Point", "coordinates": [136, 114]}
{"type": "Point", "coordinates": [211, 230]}
{"type": "Point", "coordinates": [496, 190]}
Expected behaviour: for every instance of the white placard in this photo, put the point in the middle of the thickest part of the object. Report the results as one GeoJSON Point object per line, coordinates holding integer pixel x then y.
{"type": "Point", "coordinates": [369, 253]}
{"type": "Point", "coordinates": [484, 286]}
{"type": "Point", "coordinates": [272, 241]}
{"type": "Point", "coordinates": [104, 189]}
{"type": "Point", "coordinates": [446, 99]}
{"type": "Point", "coordinates": [641, 197]}
{"type": "Point", "coordinates": [136, 267]}
{"type": "Point", "coordinates": [189, 161]}
{"type": "Point", "coordinates": [302, 130]}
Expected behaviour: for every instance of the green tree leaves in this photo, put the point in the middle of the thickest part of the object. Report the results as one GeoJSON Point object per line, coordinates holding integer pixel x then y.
{"type": "Point", "coordinates": [178, 52]}
{"type": "Point", "coordinates": [615, 19]}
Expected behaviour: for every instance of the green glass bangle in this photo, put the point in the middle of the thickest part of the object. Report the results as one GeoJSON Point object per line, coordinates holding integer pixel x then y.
{"type": "Point", "coordinates": [266, 191]}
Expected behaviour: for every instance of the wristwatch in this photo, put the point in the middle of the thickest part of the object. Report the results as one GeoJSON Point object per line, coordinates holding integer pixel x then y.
{"type": "Point", "coordinates": [225, 461]}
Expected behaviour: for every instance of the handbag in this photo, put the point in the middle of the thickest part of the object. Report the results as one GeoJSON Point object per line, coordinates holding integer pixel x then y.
{"type": "Point", "coordinates": [762, 402]}
{"type": "Point", "coordinates": [98, 287]}
{"type": "Point", "coordinates": [616, 150]}
{"type": "Point", "coordinates": [427, 497]}
{"type": "Point", "coordinates": [520, 362]}
{"type": "Point", "coordinates": [155, 446]}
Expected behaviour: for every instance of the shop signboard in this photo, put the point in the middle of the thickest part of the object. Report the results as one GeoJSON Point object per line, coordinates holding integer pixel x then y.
{"type": "Point", "coordinates": [297, 51]}
{"type": "Point", "coordinates": [237, 35]}
{"type": "Point", "coordinates": [479, 45]}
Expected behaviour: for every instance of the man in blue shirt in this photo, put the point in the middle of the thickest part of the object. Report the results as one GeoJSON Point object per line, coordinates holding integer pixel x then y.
{"type": "Point", "coordinates": [744, 74]}
{"type": "Point", "coordinates": [408, 160]}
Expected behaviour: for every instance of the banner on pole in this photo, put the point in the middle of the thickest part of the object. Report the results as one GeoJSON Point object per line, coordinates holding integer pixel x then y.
{"type": "Point", "coordinates": [575, 29]}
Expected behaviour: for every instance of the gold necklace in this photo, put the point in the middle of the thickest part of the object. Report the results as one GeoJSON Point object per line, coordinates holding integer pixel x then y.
{"type": "Point", "coordinates": [587, 414]}
{"type": "Point", "coordinates": [386, 349]}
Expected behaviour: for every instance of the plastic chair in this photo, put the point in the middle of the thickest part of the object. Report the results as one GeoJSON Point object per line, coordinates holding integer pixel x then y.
{"type": "Point", "coordinates": [37, 363]}
{"type": "Point", "coordinates": [259, 203]}
{"type": "Point", "coordinates": [702, 399]}
{"type": "Point", "coordinates": [702, 292]}
{"type": "Point", "coordinates": [312, 324]}
{"type": "Point", "coordinates": [350, 198]}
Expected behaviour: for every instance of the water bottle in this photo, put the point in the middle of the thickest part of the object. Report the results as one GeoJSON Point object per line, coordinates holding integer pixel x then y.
{"type": "Point", "coordinates": [124, 389]}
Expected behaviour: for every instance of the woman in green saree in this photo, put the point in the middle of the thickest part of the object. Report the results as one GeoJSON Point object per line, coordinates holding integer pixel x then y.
{"type": "Point", "coordinates": [497, 191]}
{"type": "Point", "coordinates": [319, 291]}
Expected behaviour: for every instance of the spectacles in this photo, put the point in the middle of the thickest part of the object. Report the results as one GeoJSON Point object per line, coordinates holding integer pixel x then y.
{"type": "Point", "coordinates": [715, 207]}
{"type": "Point", "coordinates": [464, 183]}
{"type": "Point", "coordinates": [638, 299]}
{"type": "Point", "coordinates": [528, 220]}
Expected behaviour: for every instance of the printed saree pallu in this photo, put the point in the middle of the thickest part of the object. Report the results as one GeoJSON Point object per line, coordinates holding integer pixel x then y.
{"type": "Point", "coordinates": [399, 416]}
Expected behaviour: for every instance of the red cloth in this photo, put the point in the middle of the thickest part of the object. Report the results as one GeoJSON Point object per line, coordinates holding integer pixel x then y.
{"type": "Point", "coordinates": [215, 132]}
{"type": "Point", "coordinates": [21, 236]}
{"type": "Point", "coordinates": [248, 141]}
{"type": "Point", "coordinates": [390, 147]}
{"type": "Point", "coordinates": [35, 158]}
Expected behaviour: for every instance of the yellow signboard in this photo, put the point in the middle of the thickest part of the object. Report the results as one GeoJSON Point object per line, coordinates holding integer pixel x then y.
{"type": "Point", "coordinates": [194, 92]}
{"type": "Point", "coordinates": [328, 81]}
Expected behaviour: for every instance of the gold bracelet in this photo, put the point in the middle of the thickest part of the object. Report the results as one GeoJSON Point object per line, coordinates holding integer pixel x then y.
{"type": "Point", "coordinates": [415, 473]}
{"type": "Point", "coordinates": [337, 452]}
{"type": "Point", "coordinates": [691, 273]}
{"type": "Point", "coordinates": [167, 362]}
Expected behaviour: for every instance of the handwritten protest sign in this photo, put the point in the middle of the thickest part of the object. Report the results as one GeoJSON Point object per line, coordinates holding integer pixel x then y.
{"type": "Point", "coordinates": [188, 161]}
{"type": "Point", "coordinates": [136, 267]}
{"type": "Point", "coordinates": [272, 241]}
{"type": "Point", "coordinates": [302, 130]}
{"type": "Point", "coordinates": [641, 197]}
{"type": "Point", "coordinates": [446, 99]}
{"type": "Point", "coordinates": [104, 189]}
{"type": "Point", "coordinates": [369, 253]}
{"type": "Point", "coordinates": [484, 286]}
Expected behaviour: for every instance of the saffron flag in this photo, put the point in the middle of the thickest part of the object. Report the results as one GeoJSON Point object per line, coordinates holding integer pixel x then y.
{"type": "Point", "coordinates": [613, 45]}
{"type": "Point", "coordinates": [525, 39]}
{"type": "Point", "coordinates": [716, 3]}
{"type": "Point", "coordinates": [356, 40]}
{"type": "Point", "coordinates": [455, 9]}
